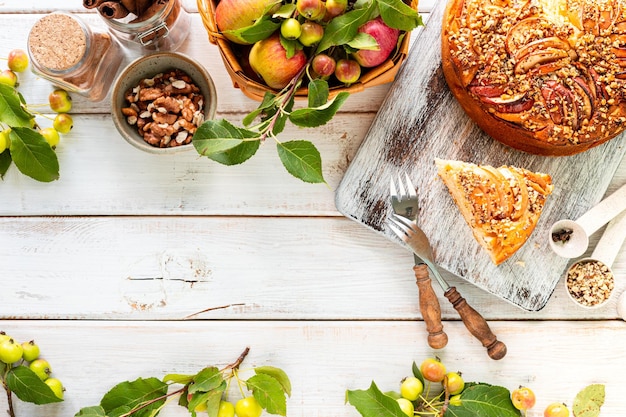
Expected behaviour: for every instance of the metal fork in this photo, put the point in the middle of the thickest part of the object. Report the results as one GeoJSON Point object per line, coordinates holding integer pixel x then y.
{"type": "Point", "coordinates": [404, 202]}
{"type": "Point", "coordinates": [406, 229]}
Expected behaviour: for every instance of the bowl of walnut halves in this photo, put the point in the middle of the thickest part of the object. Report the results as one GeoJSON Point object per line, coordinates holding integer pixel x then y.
{"type": "Point", "coordinates": [159, 100]}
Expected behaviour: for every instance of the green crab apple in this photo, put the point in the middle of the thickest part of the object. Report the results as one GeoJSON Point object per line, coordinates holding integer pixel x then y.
{"type": "Point", "coordinates": [385, 36]}
{"type": "Point", "coordinates": [56, 386]}
{"type": "Point", "coordinates": [17, 60]}
{"type": "Point", "coordinates": [291, 28]}
{"type": "Point", "coordinates": [231, 15]}
{"type": "Point", "coordinates": [41, 368]}
{"type": "Point", "coordinates": [8, 77]}
{"type": "Point", "coordinates": [30, 351]}
{"type": "Point", "coordinates": [268, 58]}
{"type": "Point", "coordinates": [63, 123]}
{"type": "Point", "coordinates": [556, 410]}
{"type": "Point", "coordinates": [454, 383]}
{"type": "Point", "coordinates": [406, 406]}
{"type": "Point", "coordinates": [311, 9]}
{"type": "Point", "coordinates": [51, 136]}
{"type": "Point", "coordinates": [10, 351]}
{"type": "Point", "coordinates": [5, 143]}
{"type": "Point", "coordinates": [60, 101]}
{"type": "Point", "coordinates": [411, 388]}
{"type": "Point", "coordinates": [311, 33]}
{"type": "Point", "coordinates": [248, 407]}
{"type": "Point", "coordinates": [226, 409]}
{"type": "Point", "coordinates": [347, 71]}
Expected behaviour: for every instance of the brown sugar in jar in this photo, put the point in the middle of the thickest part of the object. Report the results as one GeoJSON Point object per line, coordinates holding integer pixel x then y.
{"type": "Point", "coordinates": [70, 55]}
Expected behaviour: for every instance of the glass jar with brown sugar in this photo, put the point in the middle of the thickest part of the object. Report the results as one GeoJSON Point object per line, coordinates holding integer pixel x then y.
{"type": "Point", "coordinates": [66, 52]}
{"type": "Point", "coordinates": [152, 25]}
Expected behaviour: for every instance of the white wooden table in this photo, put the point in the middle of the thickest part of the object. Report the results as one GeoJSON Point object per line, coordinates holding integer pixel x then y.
{"type": "Point", "coordinates": [106, 268]}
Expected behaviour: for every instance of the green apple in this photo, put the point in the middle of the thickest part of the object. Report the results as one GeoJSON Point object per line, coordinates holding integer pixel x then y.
{"type": "Point", "coordinates": [311, 33]}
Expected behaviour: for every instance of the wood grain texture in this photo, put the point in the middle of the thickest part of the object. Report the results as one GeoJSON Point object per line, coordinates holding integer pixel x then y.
{"type": "Point", "coordinates": [419, 121]}
{"type": "Point", "coordinates": [322, 359]}
{"type": "Point", "coordinates": [236, 268]}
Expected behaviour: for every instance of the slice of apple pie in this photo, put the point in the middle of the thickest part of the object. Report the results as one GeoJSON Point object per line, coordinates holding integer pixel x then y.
{"type": "Point", "coordinates": [501, 205]}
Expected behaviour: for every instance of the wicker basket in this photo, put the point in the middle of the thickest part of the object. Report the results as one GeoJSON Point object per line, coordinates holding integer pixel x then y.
{"type": "Point", "coordinates": [253, 87]}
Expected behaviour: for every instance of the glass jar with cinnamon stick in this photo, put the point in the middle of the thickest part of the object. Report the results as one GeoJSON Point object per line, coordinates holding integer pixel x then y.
{"type": "Point", "coordinates": [66, 52]}
{"type": "Point", "coordinates": [154, 25]}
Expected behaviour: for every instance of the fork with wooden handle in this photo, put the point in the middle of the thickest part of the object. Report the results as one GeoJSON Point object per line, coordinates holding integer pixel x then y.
{"type": "Point", "coordinates": [404, 203]}
{"type": "Point", "coordinates": [474, 322]}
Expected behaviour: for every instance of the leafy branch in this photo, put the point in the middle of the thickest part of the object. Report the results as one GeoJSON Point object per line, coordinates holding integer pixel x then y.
{"type": "Point", "coordinates": [206, 391]}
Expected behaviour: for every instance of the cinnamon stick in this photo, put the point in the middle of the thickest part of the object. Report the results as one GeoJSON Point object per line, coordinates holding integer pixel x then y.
{"type": "Point", "coordinates": [92, 4]}
{"type": "Point", "coordinates": [113, 10]}
{"type": "Point", "coordinates": [131, 5]}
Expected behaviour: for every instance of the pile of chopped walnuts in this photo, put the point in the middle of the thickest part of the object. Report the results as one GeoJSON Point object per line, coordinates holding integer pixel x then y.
{"type": "Point", "coordinates": [167, 108]}
{"type": "Point", "coordinates": [590, 283]}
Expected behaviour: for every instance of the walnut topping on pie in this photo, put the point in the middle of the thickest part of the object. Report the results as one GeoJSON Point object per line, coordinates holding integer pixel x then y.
{"type": "Point", "coordinates": [501, 205]}
{"type": "Point", "coordinates": [543, 76]}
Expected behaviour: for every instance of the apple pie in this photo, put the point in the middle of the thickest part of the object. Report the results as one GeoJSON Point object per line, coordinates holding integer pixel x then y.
{"type": "Point", "coordinates": [546, 77]}
{"type": "Point", "coordinates": [501, 205]}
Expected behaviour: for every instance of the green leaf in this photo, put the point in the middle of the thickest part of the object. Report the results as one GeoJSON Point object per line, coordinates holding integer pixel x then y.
{"type": "Point", "coordinates": [364, 41]}
{"type": "Point", "coordinates": [342, 29]}
{"type": "Point", "coordinates": [417, 373]}
{"type": "Point", "coordinates": [313, 117]}
{"type": "Point", "coordinates": [285, 11]}
{"type": "Point", "coordinates": [302, 160]}
{"type": "Point", "coordinates": [95, 411]}
{"type": "Point", "coordinates": [373, 403]}
{"type": "Point", "coordinates": [32, 155]}
{"type": "Point", "coordinates": [125, 396]}
{"type": "Point", "coordinates": [269, 393]}
{"type": "Point", "coordinates": [281, 120]}
{"type": "Point", "coordinates": [177, 378]}
{"type": "Point", "coordinates": [11, 110]}
{"type": "Point", "coordinates": [260, 30]}
{"type": "Point", "coordinates": [588, 401]}
{"type": "Point", "coordinates": [278, 374]}
{"type": "Point", "coordinates": [5, 163]}
{"type": "Point", "coordinates": [206, 380]}
{"type": "Point", "coordinates": [291, 46]}
{"type": "Point", "coordinates": [484, 400]}
{"type": "Point", "coordinates": [269, 101]}
{"type": "Point", "coordinates": [219, 135]}
{"type": "Point", "coordinates": [398, 15]}
{"type": "Point", "coordinates": [213, 400]}
{"type": "Point", "coordinates": [318, 93]}
{"type": "Point", "coordinates": [28, 387]}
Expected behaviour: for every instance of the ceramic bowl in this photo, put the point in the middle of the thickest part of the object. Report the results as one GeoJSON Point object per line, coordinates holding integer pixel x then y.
{"type": "Point", "coordinates": [593, 276]}
{"type": "Point", "coordinates": [147, 67]}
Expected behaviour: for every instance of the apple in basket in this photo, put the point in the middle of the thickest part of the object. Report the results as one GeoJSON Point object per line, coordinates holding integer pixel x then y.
{"type": "Point", "coordinates": [386, 38]}
{"type": "Point", "coordinates": [231, 15]}
{"type": "Point", "coordinates": [268, 58]}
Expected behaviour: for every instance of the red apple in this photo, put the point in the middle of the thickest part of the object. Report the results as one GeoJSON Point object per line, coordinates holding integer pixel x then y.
{"type": "Point", "coordinates": [334, 8]}
{"type": "Point", "coordinates": [238, 14]}
{"type": "Point", "coordinates": [268, 58]}
{"type": "Point", "coordinates": [387, 39]}
{"type": "Point", "coordinates": [311, 9]}
{"type": "Point", "coordinates": [323, 66]}
{"type": "Point", "coordinates": [347, 71]}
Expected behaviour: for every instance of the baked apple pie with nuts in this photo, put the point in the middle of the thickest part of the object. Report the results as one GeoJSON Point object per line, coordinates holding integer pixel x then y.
{"type": "Point", "coordinates": [546, 77]}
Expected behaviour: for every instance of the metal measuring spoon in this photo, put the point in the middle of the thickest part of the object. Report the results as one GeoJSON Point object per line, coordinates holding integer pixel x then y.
{"type": "Point", "coordinates": [570, 238]}
{"type": "Point", "coordinates": [600, 263]}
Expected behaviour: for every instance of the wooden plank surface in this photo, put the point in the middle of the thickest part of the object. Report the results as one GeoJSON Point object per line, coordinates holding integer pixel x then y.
{"type": "Point", "coordinates": [419, 121]}
{"type": "Point", "coordinates": [322, 359]}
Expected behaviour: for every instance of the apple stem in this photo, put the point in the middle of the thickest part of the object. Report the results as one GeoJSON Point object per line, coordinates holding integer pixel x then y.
{"type": "Point", "coordinates": [289, 92]}
{"type": "Point", "coordinates": [9, 399]}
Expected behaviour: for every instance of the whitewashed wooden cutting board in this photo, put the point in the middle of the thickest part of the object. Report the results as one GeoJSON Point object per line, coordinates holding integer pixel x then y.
{"type": "Point", "coordinates": [419, 121]}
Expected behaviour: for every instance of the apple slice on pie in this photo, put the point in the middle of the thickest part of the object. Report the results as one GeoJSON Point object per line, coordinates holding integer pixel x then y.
{"type": "Point", "coordinates": [501, 205]}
